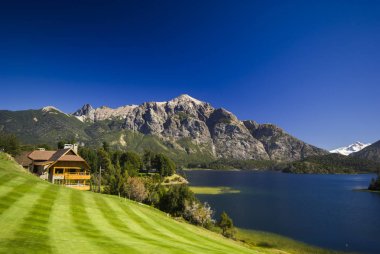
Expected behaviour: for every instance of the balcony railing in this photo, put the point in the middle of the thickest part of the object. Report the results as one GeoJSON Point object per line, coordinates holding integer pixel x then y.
{"type": "Point", "coordinates": [73, 175]}
{"type": "Point", "coordinates": [77, 175]}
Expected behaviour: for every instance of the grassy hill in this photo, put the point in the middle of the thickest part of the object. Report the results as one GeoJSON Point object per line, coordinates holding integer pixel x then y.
{"type": "Point", "coordinates": [38, 217]}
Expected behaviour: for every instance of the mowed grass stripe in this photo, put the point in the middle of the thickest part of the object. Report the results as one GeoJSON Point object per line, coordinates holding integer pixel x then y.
{"type": "Point", "coordinates": [130, 235]}
{"type": "Point", "coordinates": [85, 226]}
{"type": "Point", "coordinates": [160, 230]}
{"type": "Point", "coordinates": [174, 231]}
{"type": "Point", "coordinates": [64, 235]}
{"type": "Point", "coordinates": [33, 234]}
{"type": "Point", "coordinates": [5, 177]}
{"type": "Point", "coordinates": [181, 229]}
{"type": "Point", "coordinates": [15, 193]}
{"type": "Point", "coordinates": [142, 236]}
{"type": "Point", "coordinates": [12, 218]}
{"type": "Point", "coordinates": [7, 181]}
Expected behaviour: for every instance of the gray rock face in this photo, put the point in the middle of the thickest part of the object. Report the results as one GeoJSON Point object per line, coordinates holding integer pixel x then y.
{"type": "Point", "coordinates": [371, 152]}
{"type": "Point", "coordinates": [186, 117]}
{"type": "Point", "coordinates": [86, 110]}
{"type": "Point", "coordinates": [280, 145]}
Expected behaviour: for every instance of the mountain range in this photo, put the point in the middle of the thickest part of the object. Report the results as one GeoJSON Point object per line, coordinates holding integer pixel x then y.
{"type": "Point", "coordinates": [353, 148]}
{"type": "Point", "coordinates": [183, 127]}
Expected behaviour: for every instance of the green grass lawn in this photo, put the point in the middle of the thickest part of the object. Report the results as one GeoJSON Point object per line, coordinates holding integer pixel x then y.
{"type": "Point", "coordinates": [213, 190]}
{"type": "Point", "coordinates": [39, 217]}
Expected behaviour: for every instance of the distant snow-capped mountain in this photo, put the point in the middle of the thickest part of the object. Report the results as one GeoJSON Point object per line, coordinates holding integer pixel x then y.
{"type": "Point", "coordinates": [347, 150]}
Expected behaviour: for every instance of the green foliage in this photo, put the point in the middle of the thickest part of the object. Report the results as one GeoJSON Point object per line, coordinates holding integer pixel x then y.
{"type": "Point", "coordinates": [331, 163]}
{"type": "Point", "coordinates": [60, 144]}
{"type": "Point", "coordinates": [175, 199]}
{"type": "Point", "coordinates": [91, 157]}
{"type": "Point", "coordinates": [227, 226]}
{"type": "Point", "coordinates": [9, 143]}
{"type": "Point", "coordinates": [147, 159]}
{"type": "Point", "coordinates": [106, 146]}
{"type": "Point", "coordinates": [154, 189]}
{"type": "Point", "coordinates": [131, 162]}
{"type": "Point", "coordinates": [164, 165]}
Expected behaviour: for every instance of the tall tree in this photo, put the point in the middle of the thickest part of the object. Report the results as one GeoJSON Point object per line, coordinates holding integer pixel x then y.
{"type": "Point", "coordinates": [164, 165]}
{"type": "Point", "coordinates": [131, 162]}
{"type": "Point", "coordinates": [227, 226]}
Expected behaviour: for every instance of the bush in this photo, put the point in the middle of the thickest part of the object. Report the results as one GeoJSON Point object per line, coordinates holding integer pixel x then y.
{"type": "Point", "coordinates": [134, 188]}
{"type": "Point", "coordinates": [174, 200]}
{"type": "Point", "coordinates": [198, 214]}
{"type": "Point", "coordinates": [227, 226]}
{"type": "Point", "coordinates": [154, 190]}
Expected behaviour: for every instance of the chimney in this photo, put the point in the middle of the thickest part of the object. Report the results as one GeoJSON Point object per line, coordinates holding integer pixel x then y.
{"type": "Point", "coordinates": [71, 146]}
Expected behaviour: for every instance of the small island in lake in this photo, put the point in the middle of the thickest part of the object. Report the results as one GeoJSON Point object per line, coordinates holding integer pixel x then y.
{"type": "Point", "coordinates": [375, 184]}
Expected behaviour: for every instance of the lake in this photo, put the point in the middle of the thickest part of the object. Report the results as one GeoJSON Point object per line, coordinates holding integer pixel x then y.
{"type": "Point", "coordinates": [322, 210]}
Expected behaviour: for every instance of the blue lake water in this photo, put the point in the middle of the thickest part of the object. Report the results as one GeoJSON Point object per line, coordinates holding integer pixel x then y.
{"type": "Point", "coordinates": [322, 210]}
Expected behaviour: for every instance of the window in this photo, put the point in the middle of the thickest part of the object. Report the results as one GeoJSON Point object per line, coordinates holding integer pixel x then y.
{"type": "Point", "coordinates": [59, 170]}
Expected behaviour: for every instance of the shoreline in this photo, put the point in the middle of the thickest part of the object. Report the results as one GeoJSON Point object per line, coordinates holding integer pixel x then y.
{"type": "Point", "coordinates": [273, 170]}
{"type": "Point", "coordinates": [367, 190]}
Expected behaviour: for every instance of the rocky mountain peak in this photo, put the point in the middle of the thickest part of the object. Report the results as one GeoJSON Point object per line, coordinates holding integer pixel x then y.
{"type": "Point", "coordinates": [51, 109]}
{"type": "Point", "coordinates": [85, 110]}
{"type": "Point", "coordinates": [185, 98]}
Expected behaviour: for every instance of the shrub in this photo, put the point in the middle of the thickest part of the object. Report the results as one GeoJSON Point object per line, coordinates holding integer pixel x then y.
{"type": "Point", "coordinates": [174, 200]}
{"type": "Point", "coordinates": [198, 214]}
{"type": "Point", "coordinates": [227, 226]}
{"type": "Point", "coordinates": [134, 188]}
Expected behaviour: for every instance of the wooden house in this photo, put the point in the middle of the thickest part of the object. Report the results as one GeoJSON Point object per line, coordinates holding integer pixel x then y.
{"type": "Point", "coordinates": [63, 167]}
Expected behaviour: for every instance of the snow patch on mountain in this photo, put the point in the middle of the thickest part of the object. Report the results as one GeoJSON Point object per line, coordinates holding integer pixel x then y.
{"type": "Point", "coordinates": [353, 148]}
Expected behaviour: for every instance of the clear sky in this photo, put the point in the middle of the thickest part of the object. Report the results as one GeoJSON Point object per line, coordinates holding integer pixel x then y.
{"type": "Point", "coordinates": [311, 67]}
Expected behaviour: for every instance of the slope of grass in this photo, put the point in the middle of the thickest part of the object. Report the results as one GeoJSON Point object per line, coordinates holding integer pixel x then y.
{"type": "Point", "coordinates": [39, 217]}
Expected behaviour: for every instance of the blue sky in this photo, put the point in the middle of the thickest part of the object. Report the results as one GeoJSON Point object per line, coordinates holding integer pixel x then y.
{"type": "Point", "coordinates": [311, 67]}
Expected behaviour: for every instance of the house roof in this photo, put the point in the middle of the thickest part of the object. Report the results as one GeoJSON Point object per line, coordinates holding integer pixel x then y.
{"type": "Point", "coordinates": [38, 155]}
{"type": "Point", "coordinates": [23, 159]}
{"type": "Point", "coordinates": [58, 154]}
{"type": "Point", "coordinates": [51, 157]}
{"type": "Point", "coordinates": [70, 157]}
